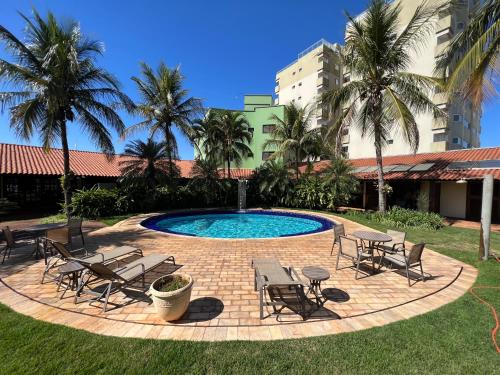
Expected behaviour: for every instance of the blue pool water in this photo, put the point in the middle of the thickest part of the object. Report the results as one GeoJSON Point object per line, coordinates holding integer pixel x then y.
{"type": "Point", "coordinates": [234, 224]}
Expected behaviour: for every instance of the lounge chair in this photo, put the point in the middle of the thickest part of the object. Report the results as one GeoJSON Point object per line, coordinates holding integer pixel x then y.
{"type": "Point", "coordinates": [114, 280]}
{"type": "Point", "coordinates": [350, 249]}
{"type": "Point", "coordinates": [397, 243]}
{"type": "Point", "coordinates": [338, 230]}
{"type": "Point", "coordinates": [284, 286]}
{"type": "Point", "coordinates": [63, 254]}
{"type": "Point", "coordinates": [407, 259]}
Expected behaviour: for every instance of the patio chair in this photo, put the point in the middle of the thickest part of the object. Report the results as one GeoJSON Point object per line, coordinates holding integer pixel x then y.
{"type": "Point", "coordinates": [350, 249]}
{"type": "Point", "coordinates": [115, 280]}
{"type": "Point", "coordinates": [284, 287]}
{"type": "Point", "coordinates": [10, 243]}
{"type": "Point", "coordinates": [407, 259]}
{"type": "Point", "coordinates": [338, 230]}
{"type": "Point", "coordinates": [75, 228]}
{"type": "Point", "coordinates": [397, 243]}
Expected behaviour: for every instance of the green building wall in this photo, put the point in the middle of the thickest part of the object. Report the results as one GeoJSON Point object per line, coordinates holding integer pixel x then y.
{"type": "Point", "coordinates": [258, 110]}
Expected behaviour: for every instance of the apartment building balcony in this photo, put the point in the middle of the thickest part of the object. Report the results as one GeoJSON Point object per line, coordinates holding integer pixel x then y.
{"type": "Point", "coordinates": [440, 124]}
{"type": "Point", "coordinates": [444, 22]}
{"type": "Point", "coordinates": [276, 89]}
{"type": "Point", "coordinates": [440, 99]}
{"type": "Point", "coordinates": [322, 82]}
{"type": "Point", "coordinates": [441, 48]}
{"type": "Point", "coordinates": [439, 146]}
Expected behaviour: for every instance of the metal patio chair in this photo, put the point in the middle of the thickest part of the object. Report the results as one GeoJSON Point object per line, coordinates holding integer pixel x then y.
{"type": "Point", "coordinates": [350, 249]}
{"type": "Point", "coordinates": [338, 230]}
{"type": "Point", "coordinates": [397, 243]}
{"type": "Point", "coordinates": [407, 260]}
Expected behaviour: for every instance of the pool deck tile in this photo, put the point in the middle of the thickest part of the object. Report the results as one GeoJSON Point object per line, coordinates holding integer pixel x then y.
{"type": "Point", "coordinates": [224, 305]}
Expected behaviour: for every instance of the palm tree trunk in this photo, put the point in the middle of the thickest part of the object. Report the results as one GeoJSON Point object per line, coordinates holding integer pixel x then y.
{"type": "Point", "coordinates": [297, 164]}
{"type": "Point", "coordinates": [380, 171]}
{"type": "Point", "coordinates": [168, 148]}
{"type": "Point", "coordinates": [67, 170]}
{"type": "Point", "coordinates": [228, 167]}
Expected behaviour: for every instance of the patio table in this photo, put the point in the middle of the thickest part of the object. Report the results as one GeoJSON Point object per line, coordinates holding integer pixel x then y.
{"type": "Point", "coordinates": [373, 238]}
{"type": "Point", "coordinates": [40, 230]}
{"type": "Point", "coordinates": [316, 275]}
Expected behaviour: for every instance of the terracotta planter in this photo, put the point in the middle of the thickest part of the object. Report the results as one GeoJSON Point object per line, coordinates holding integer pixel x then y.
{"type": "Point", "coordinates": [171, 305]}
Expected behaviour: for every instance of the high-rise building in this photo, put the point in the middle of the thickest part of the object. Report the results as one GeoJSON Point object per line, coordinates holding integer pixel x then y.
{"type": "Point", "coordinates": [317, 69]}
{"type": "Point", "coordinates": [462, 128]}
{"type": "Point", "coordinates": [258, 110]}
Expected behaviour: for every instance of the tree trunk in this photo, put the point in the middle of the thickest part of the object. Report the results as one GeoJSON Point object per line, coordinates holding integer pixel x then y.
{"type": "Point", "coordinates": [228, 167]}
{"type": "Point", "coordinates": [297, 164]}
{"type": "Point", "coordinates": [380, 171]}
{"type": "Point", "coordinates": [67, 170]}
{"type": "Point", "coordinates": [168, 148]}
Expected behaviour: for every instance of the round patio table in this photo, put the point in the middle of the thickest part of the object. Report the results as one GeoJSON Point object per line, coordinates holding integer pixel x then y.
{"type": "Point", "coordinates": [40, 230]}
{"type": "Point", "coordinates": [316, 275]}
{"type": "Point", "coordinates": [373, 238]}
{"type": "Point", "coordinates": [72, 271]}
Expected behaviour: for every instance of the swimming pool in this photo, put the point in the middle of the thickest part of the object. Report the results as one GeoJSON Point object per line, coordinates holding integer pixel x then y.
{"type": "Point", "coordinates": [238, 224]}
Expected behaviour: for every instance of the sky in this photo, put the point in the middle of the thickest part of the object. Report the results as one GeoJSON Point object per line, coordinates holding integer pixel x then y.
{"type": "Point", "coordinates": [226, 49]}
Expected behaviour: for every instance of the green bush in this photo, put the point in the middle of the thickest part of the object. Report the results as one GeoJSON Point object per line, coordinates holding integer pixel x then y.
{"type": "Point", "coordinates": [404, 218]}
{"type": "Point", "coordinates": [95, 202]}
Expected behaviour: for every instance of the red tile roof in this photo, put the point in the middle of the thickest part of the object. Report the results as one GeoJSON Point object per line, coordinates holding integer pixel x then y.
{"type": "Point", "coordinates": [439, 169]}
{"type": "Point", "coordinates": [19, 159]}
{"type": "Point", "coordinates": [237, 173]}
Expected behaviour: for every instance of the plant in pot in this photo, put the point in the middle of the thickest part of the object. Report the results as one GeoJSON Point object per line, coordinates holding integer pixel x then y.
{"type": "Point", "coordinates": [171, 295]}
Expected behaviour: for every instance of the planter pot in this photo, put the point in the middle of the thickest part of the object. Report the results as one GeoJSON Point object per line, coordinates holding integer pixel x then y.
{"type": "Point", "coordinates": [171, 305]}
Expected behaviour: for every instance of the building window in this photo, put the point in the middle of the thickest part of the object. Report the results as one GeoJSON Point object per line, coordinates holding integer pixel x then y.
{"type": "Point", "coordinates": [293, 87]}
{"type": "Point", "coordinates": [390, 141]}
{"type": "Point", "coordinates": [460, 26]}
{"type": "Point", "coordinates": [457, 118]}
{"type": "Point", "coordinates": [337, 67]}
{"type": "Point", "coordinates": [300, 83]}
{"type": "Point", "coordinates": [456, 140]}
{"type": "Point", "coordinates": [345, 151]}
{"type": "Point", "coordinates": [268, 128]}
{"type": "Point", "coordinates": [251, 130]}
{"type": "Point", "coordinates": [300, 97]}
{"type": "Point", "coordinates": [337, 82]}
{"type": "Point", "coordinates": [293, 73]}
{"type": "Point", "coordinates": [266, 155]}
{"type": "Point", "coordinates": [440, 137]}
{"type": "Point", "coordinates": [300, 69]}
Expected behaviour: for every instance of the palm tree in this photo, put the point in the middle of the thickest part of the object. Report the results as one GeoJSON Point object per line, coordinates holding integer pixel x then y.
{"type": "Point", "coordinates": [204, 134]}
{"type": "Point", "coordinates": [274, 180]}
{"type": "Point", "coordinates": [338, 178]}
{"type": "Point", "coordinates": [471, 58]}
{"type": "Point", "coordinates": [165, 104]}
{"type": "Point", "coordinates": [292, 136]}
{"type": "Point", "coordinates": [145, 162]}
{"type": "Point", "coordinates": [58, 83]}
{"type": "Point", "coordinates": [205, 177]}
{"type": "Point", "coordinates": [382, 96]}
{"type": "Point", "coordinates": [233, 136]}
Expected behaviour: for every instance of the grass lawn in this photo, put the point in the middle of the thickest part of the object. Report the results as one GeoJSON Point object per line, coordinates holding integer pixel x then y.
{"type": "Point", "coordinates": [454, 339]}
{"type": "Point", "coordinates": [108, 220]}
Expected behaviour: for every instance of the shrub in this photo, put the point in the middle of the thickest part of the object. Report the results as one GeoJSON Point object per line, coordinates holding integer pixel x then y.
{"type": "Point", "coordinates": [95, 202]}
{"type": "Point", "coordinates": [405, 218]}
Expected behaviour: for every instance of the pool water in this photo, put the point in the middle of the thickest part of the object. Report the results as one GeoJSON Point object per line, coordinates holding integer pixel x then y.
{"type": "Point", "coordinates": [261, 224]}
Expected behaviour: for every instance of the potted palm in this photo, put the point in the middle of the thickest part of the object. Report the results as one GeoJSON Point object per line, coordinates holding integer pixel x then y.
{"type": "Point", "coordinates": [171, 295]}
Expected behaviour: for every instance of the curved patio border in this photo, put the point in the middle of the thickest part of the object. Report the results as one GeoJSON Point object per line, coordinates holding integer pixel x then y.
{"type": "Point", "coordinates": [26, 305]}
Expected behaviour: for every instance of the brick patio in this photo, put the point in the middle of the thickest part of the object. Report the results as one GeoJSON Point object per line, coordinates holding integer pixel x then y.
{"type": "Point", "coordinates": [224, 305]}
